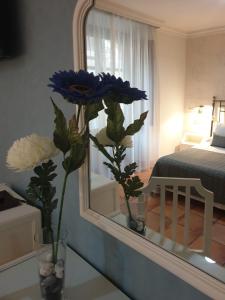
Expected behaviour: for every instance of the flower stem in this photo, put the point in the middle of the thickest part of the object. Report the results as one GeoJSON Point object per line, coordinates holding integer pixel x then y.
{"type": "Point", "coordinates": [116, 163]}
{"type": "Point", "coordinates": [78, 116]}
{"type": "Point", "coordinates": [122, 183]}
{"type": "Point", "coordinates": [128, 206]}
{"type": "Point", "coordinates": [101, 148]}
{"type": "Point", "coordinates": [60, 217]}
{"type": "Point", "coordinates": [53, 246]}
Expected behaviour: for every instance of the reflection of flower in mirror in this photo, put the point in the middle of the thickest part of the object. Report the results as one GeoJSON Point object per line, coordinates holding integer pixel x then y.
{"type": "Point", "coordinates": [106, 141]}
{"type": "Point", "coordinates": [77, 87]}
{"type": "Point", "coordinates": [28, 152]}
{"type": "Point", "coordinates": [120, 91]}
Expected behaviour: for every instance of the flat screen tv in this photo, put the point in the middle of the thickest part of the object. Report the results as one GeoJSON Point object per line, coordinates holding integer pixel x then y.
{"type": "Point", "coordinates": [9, 28]}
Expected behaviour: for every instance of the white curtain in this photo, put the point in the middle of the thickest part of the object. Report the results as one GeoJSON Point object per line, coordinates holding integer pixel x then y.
{"type": "Point", "coordinates": [124, 48]}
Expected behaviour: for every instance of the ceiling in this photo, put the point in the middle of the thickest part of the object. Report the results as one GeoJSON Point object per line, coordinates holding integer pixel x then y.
{"type": "Point", "coordinates": [187, 16]}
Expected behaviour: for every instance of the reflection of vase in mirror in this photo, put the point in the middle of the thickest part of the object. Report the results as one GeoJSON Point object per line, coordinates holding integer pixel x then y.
{"type": "Point", "coordinates": [136, 220]}
{"type": "Point", "coordinates": [177, 64]}
{"type": "Point", "coordinates": [113, 142]}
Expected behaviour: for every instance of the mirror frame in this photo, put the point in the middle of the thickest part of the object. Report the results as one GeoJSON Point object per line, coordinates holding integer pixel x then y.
{"type": "Point", "coordinates": [182, 269]}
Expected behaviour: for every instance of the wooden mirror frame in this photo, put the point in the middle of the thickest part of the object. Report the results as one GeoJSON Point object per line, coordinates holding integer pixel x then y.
{"type": "Point", "coordinates": [182, 269]}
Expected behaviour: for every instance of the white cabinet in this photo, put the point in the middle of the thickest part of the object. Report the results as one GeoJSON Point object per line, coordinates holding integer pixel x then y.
{"type": "Point", "coordinates": [20, 229]}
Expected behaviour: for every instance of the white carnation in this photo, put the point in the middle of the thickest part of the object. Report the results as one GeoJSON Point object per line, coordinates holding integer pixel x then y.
{"type": "Point", "coordinates": [30, 151]}
{"type": "Point", "coordinates": [106, 141]}
{"type": "Point", "coordinates": [127, 142]}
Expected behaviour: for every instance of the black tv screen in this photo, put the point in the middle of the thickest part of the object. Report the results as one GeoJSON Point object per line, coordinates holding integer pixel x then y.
{"type": "Point", "coordinates": [9, 28]}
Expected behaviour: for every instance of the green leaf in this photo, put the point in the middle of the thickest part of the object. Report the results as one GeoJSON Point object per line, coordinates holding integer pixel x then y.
{"type": "Point", "coordinates": [77, 155]}
{"type": "Point", "coordinates": [133, 185]}
{"type": "Point", "coordinates": [32, 194]}
{"type": "Point", "coordinates": [51, 177]}
{"type": "Point", "coordinates": [92, 110]}
{"type": "Point", "coordinates": [49, 166]}
{"type": "Point", "coordinates": [120, 154]}
{"type": "Point", "coordinates": [54, 204]}
{"type": "Point", "coordinates": [38, 170]}
{"type": "Point", "coordinates": [119, 176]}
{"type": "Point", "coordinates": [61, 138]}
{"type": "Point", "coordinates": [115, 130]}
{"type": "Point", "coordinates": [40, 192]}
{"type": "Point", "coordinates": [101, 148]}
{"type": "Point", "coordinates": [40, 186]}
{"type": "Point", "coordinates": [130, 169]}
{"type": "Point", "coordinates": [35, 181]}
{"type": "Point", "coordinates": [136, 125]}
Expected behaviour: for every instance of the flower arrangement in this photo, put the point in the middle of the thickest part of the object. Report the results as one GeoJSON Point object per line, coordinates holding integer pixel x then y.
{"type": "Point", "coordinates": [88, 94]}
{"type": "Point", "coordinates": [36, 152]}
{"type": "Point", "coordinates": [118, 138]}
{"type": "Point", "coordinates": [83, 90]}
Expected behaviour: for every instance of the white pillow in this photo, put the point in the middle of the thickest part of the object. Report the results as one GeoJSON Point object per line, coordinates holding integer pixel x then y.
{"type": "Point", "coordinates": [220, 129]}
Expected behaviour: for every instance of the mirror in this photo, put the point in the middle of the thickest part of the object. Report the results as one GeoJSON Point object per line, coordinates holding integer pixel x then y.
{"type": "Point", "coordinates": [176, 56]}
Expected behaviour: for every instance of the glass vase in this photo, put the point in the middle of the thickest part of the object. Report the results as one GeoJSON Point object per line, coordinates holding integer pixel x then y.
{"type": "Point", "coordinates": [136, 215]}
{"type": "Point", "coordinates": [136, 223]}
{"type": "Point", "coordinates": [51, 269]}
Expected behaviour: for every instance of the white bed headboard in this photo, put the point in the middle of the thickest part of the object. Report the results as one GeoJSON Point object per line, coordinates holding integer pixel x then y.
{"type": "Point", "coordinates": [218, 113]}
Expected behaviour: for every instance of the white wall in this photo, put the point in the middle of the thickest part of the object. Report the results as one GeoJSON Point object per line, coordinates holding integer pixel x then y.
{"type": "Point", "coordinates": [205, 78]}
{"type": "Point", "coordinates": [190, 71]}
{"type": "Point", "coordinates": [205, 71]}
{"type": "Point", "coordinates": [171, 60]}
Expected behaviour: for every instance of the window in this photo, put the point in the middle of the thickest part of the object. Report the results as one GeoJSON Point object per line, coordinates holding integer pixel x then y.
{"type": "Point", "coordinates": [124, 48]}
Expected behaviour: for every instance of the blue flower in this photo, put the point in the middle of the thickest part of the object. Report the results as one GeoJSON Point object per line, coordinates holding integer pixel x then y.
{"type": "Point", "coordinates": [120, 91]}
{"type": "Point", "coordinates": [78, 87]}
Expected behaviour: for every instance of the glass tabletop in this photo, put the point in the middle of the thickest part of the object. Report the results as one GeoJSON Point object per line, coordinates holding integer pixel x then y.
{"type": "Point", "coordinates": [20, 282]}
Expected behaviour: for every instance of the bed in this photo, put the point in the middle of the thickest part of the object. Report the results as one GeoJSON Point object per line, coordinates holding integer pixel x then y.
{"type": "Point", "coordinates": [205, 161]}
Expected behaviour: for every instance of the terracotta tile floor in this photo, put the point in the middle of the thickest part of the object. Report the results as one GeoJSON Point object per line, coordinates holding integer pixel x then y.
{"type": "Point", "coordinates": [217, 250]}
{"type": "Point", "coordinates": [153, 221]}
{"type": "Point", "coordinates": [152, 218]}
{"type": "Point", "coordinates": [180, 234]}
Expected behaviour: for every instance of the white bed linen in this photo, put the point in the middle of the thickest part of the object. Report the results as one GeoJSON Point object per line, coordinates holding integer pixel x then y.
{"type": "Point", "coordinates": [206, 146]}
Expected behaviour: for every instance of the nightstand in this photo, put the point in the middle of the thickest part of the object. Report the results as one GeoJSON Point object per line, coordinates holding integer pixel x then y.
{"type": "Point", "coordinates": [20, 229]}
{"type": "Point", "coordinates": [184, 146]}
{"type": "Point", "coordinates": [189, 140]}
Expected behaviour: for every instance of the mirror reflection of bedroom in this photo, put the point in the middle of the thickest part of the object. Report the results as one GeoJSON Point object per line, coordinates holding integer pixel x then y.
{"type": "Point", "coordinates": [177, 57]}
